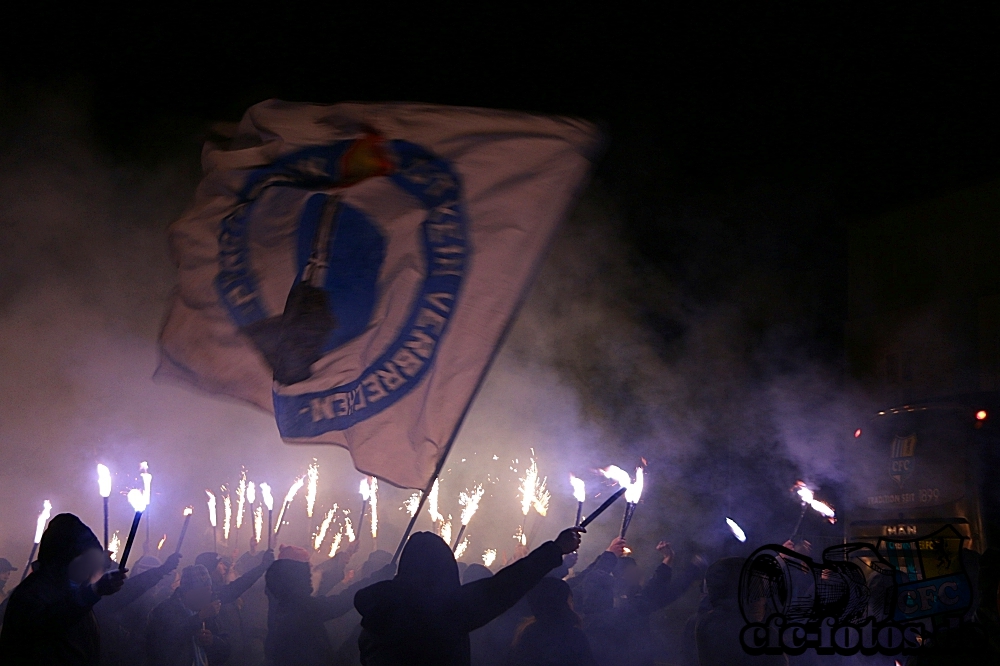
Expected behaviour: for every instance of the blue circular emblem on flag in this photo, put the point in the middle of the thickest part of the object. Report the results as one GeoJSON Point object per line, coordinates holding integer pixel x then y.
{"type": "Point", "coordinates": [340, 253]}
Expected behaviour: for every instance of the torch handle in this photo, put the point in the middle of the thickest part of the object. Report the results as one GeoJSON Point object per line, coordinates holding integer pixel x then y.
{"type": "Point", "coordinates": [458, 539]}
{"type": "Point", "coordinates": [131, 538]}
{"type": "Point", "coordinates": [799, 524]}
{"type": "Point", "coordinates": [601, 509]}
{"type": "Point", "coordinates": [361, 518]}
{"type": "Point", "coordinates": [184, 529]}
{"type": "Point", "coordinates": [31, 558]}
{"type": "Point", "coordinates": [270, 527]}
{"type": "Point", "coordinates": [579, 513]}
{"type": "Point", "coordinates": [627, 518]}
{"type": "Point", "coordinates": [105, 523]}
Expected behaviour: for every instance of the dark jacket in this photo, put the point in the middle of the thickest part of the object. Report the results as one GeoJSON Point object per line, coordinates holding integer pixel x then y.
{"type": "Point", "coordinates": [543, 644]}
{"type": "Point", "coordinates": [50, 620]}
{"type": "Point", "coordinates": [424, 615]}
{"type": "Point", "coordinates": [170, 636]}
{"type": "Point", "coordinates": [122, 620]}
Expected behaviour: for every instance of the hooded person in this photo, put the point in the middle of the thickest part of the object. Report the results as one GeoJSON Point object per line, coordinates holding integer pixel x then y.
{"type": "Point", "coordinates": [552, 636]}
{"type": "Point", "coordinates": [184, 629]}
{"type": "Point", "coordinates": [424, 615]}
{"type": "Point", "coordinates": [50, 618]}
{"type": "Point", "coordinates": [6, 569]}
{"type": "Point", "coordinates": [229, 593]}
{"type": "Point", "coordinates": [296, 634]}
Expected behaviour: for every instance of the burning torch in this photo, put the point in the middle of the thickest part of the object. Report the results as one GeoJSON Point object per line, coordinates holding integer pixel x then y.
{"type": "Point", "coordinates": [633, 491]}
{"type": "Point", "coordinates": [43, 518]}
{"type": "Point", "coordinates": [470, 504]}
{"type": "Point", "coordinates": [147, 480]}
{"type": "Point", "coordinates": [808, 499]}
{"type": "Point", "coordinates": [184, 528]}
{"type": "Point", "coordinates": [104, 487]}
{"type": "Point", "coordinates": [289, 496]}
{"type": "Point", "coordinates": [265, 493]}
{"type": "Point", "coordinates": [580, 495]}
{"type": "Point", "coordinates": [213, 519]}
{"type": "Point", "coordinates": [137, 499]}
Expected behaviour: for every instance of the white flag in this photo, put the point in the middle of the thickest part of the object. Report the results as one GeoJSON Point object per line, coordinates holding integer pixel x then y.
{"type": "Point", "coordinates": [353, 267]}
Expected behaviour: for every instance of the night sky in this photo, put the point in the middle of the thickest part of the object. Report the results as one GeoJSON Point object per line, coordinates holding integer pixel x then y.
{"type": "Point", "coordinates": [741, 140]}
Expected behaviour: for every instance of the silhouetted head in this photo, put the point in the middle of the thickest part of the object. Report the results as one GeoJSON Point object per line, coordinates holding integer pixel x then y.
{"type": "Point", "coordinates": [627, 575]}
{"type": "Point", "coordinates": [195, 589]}
{"type": "Point", "coordinates": [289, 579]}
{"type": "Point", "coordinates": [722, 579]}
{"type": "Point", "coordinates": [475, 572]}
{"type": "Point", "coordinates": [375, 561]}
{"type": "Point", "coordinates": [428, 563]}
{"type": "Point", "coordinates": [68, 544]}
{"type": "Point", "coordinates": [145, 563]}
{"type": "Point", "coordinates": [551, 601]}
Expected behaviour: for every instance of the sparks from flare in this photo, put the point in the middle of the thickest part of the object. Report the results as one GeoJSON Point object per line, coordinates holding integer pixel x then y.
{"type": "Point", "coordinates": [324, 526]}
{"type": "Point", "coordinates": [313, 483]}
{"type": "Point", "coordinates": [489, 556]}
{"type": "Point", "coordinates": [411, 504]}
{"type": "Point", "coordinates": [432, 503]}
{"type": "Point", "coordinates": [163, 540]}
{"type": "Point", "coordinates": [265, 493]}
{"type": "Point", "coordinates": [258, 523]}
{"type": "Point", "coordinates": [241, 498]}
{"type": "Point", "coordinates": [289, 496]}
{"type": "Point", "coordinates": [445, 530]}
{"type": "Point", "coordinates": [211, 508]}
{"type": "Point", "coordinates": [227, 514]}
{"type": "Point", "coordinates": [349, 530]}
{"type": "Point", "coordinates": [104, 480]}
{"type": "Point", "coordinates": [461, 548]}
{"type": "Point", "coordinates": [533, 492]}
{"type": "Point", "coordinates": [114, 546]}
{"type": "Point", "coordinates": [520, 537]}
{"type": "Point", "coordinates": [737, 530]}
{"type": "Point", "coordinates": [806, 495]}
{"type": "Point", "coordinates": [337, 538]}
{"type": "Point", "coordinates": [374, 507]}
{"type": "Point", "coordinates": [470, 503]}
{"type": "Point", "coordinates": [43, 518]}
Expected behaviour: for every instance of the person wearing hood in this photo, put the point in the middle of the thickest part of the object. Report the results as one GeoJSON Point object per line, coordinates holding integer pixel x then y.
{"type": "Point", "coordinates": [184, 629]}
{"type": "Point", "coordinates": [552, 636]}
{"type": "Point", "coordinates": [50, 618]}
{"type": "Point", "coordinates": [296, 633]}
{"type": "Point", "coordinates": [6, 569]}
{"type": "Point", "coordinates": [230, 594]}
{"type": "Point", "coordinates": [423, 616]}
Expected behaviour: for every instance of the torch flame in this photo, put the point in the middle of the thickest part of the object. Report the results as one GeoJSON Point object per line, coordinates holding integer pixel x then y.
{"type": "Point", "coordinates": [227, 515]}
{"type": "Point", "coordinates": [520, 537]}
{"type": "Point", "coordinates": [43, 518]}
{"type": "Point", "coordinates": [188, 511]}
{"type": "Point", "coordinates": [163, 540]}
{"type": "Point", "coordinates": [579, 488]}
{"type": "Point", "coordinates": [321, 535]}
{"type": "Point", "coordinates": [432, 503]}
{"type": "Point", "coordinates": [211, 507]}
{"type": "Point", "coordinates": [104, 480]}
{"type": "Point", "coordinates": [461, 548]}
{"type": "Point", "coordinates": [114, 545]}
{"type": "Point", "coordinates": [489, 556]}
{"type": "Point", "coordinates": [736, 529]}
{"type": "Point", "coordinates": [241, 498]}
{"type": "Point", "coordinates": [296, 487]}
{"type": "Point", "coordinates": [258, 523]}
{"type": "Point", "coordinates": [337, 538]}
{"type": "Point", "coordinates": [470, 502]}
{"type": "Point", "coordinates": [808, 497]}
{"type": "Point", "coordinates": [634, 491]}
{"type": "Point", "coordinates": [251, 493]}
{"type": "Point", "coordinates": [411, 504]}
{"type": "Point", "coordinates": [265, 492]}
{"type": "Point", "coordinates": [313, 474]}
{"type": "Point", "coordinates": [137, 499]}
{"type": "Point", "coordinates": [364, 490]}
{"type": "Point", "coordinates": [349, 530]}
{"type": "Point", "coordinates": [147, 480]}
